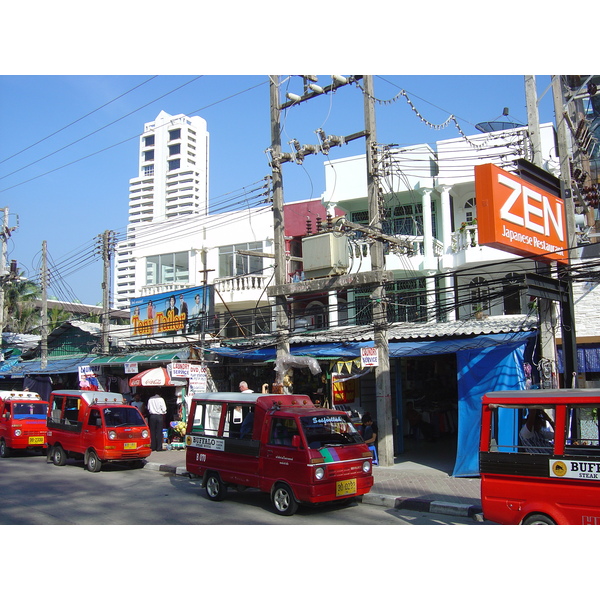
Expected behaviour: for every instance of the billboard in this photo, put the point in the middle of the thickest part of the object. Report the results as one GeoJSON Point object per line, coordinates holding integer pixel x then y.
{"type": "Point", "coordinates": [516, 216]}
{"type": "Point", "coordinates": [172, 313]}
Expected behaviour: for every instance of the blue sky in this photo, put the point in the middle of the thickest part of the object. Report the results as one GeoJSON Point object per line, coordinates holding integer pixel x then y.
{"type": "Point", "coordinates": [69, 145]}
{"type": "Point", "coordinates": [72, 106]}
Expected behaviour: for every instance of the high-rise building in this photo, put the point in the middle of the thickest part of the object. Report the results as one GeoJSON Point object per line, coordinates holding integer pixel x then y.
{"type": "Point", "coordinates": [171, 186]}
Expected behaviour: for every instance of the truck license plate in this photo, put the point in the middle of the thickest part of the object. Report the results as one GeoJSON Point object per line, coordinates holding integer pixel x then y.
{"type": "Point", "coordinates": [345, 487]}
{"type": "Point", "coordinates": [35, 440]}
{"type": "Point", "coordinates": [130, 446]}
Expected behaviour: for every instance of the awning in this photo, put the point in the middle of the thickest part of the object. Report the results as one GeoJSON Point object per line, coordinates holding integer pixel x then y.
{"type": "Point", "coordinates": [55, 366]}
{"type": "Point", "coordinates": [141, 357]}
{"type": "Point", "coordinates": [338, 350]}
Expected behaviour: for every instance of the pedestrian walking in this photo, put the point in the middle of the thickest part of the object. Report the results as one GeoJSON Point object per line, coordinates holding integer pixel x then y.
{"type": "Point", "coordinates": [157, 409]}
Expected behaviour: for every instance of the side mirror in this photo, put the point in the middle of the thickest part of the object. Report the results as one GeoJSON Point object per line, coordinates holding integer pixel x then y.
{"type": "Point", "coordinates": [296, 441]}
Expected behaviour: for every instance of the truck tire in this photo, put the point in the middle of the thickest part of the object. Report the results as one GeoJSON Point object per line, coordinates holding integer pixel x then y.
{"type": "Point", "coordinates": [215, 488]}
{"type": "Point", "coordinates": [59, 456]}
{"type": "Point", "coordinates": [93, 462]}
{"type": "Point", "coordinates": [538, 519]}
{"type": "Point", "coordinates": [283, 499]}
{"type": "Point", "coordinates": [4, 449]}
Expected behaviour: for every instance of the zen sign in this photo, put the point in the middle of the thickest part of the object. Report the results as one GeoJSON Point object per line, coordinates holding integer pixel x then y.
{"type": "Point", "coordinates": [518, 217]}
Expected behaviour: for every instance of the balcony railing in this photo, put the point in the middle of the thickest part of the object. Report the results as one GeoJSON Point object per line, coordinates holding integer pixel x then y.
{"type": "Point", "coordinates": [241, 283]}
{"type": "Point", "coordinates": [465, 237]}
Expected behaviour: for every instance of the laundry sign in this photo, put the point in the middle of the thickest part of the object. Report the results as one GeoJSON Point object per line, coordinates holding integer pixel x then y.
{"type": "Point", "coordinates": [369, 357]}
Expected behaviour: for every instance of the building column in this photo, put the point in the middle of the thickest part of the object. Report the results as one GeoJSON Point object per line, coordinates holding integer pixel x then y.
{"type": "Point", "coordinates": [428, 254]}
{"type": "Point", "coordinates": [445, 217]}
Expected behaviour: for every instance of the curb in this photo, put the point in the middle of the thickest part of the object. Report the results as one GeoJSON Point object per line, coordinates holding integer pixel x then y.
{"type": "Point", "coordinates": [439, 507]}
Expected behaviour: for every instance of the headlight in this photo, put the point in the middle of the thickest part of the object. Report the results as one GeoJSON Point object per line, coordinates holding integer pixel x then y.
{"type": "Point", "coordinates": [367, 466]}
{"type": "Point", "coordinates": [145, 433]}
{"type": "Point", "coordinates": [112, 435]}
{"type": "Point", "coordinates": [17, 432]}
{"type": "Point", "coordinates": [319, 473]}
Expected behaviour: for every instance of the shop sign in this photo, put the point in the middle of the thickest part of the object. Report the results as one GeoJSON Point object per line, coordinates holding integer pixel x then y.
{"type": "Point", "coordinates": [369, 357]}
{"type": "Point", "coordinates": [131, 368]}
{"type": "Point", "coordinates": [518, 217]}
{"type": "Point", "coordinates": [172, 313]}
{"type": "Point", "coordinates": [206, 443]}
{"type": "Point", "coordinates": [575, 469]}
{"type": "Point", "coordinates": [180, 370]}
{"type": "Point", "coordinates": [198, 379]}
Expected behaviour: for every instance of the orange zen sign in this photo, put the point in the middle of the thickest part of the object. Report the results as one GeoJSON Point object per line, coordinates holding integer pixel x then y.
{"type": "Point", "coordinates": [518, 217]}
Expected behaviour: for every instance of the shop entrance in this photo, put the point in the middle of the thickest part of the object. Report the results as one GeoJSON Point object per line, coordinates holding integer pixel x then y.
{"type": "Point", "coordinates": [429, 402]}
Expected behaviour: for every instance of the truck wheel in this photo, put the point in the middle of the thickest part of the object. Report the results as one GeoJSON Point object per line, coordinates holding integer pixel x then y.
{"type": "Point", "coordinates": [59, 456]}
{"type": "Point", "coordinates": [538, 519]}
{"type": "Point", "coordinates": [93, 462]}
{"type": "Point", "coordinates": [283, 499]}
{"type": "Point", "coordinates": [4, 449]}
{"type": "Point", "coordinates": [215, 488]}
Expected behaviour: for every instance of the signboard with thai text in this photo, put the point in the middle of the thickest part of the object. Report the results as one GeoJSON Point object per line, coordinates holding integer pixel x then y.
{"type": "Point", "coordinates": [518, 217]}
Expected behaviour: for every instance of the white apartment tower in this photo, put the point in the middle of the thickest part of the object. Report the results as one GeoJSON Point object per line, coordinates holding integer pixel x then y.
{"type": "Point", "coordinates": [170, 189]}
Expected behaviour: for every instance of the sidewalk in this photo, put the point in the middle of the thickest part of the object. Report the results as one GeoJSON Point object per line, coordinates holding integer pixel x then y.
{"type": "Point", "coordinates": [420, 480]}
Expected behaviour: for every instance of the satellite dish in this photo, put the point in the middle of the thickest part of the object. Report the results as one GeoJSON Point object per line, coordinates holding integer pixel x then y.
{"type": "Point", "coordinates": [489, 126]}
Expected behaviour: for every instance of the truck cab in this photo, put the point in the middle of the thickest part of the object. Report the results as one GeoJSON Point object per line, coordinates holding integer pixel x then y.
{"type": "Point", "coordinates": [96, 426]}
{"type": "Point", "coordinates": [22, 422]}
{"type": "Point", "coordinates": [281, 444]}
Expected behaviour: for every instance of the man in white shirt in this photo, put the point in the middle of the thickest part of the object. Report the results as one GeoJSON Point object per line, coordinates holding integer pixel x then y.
{"type": "Point", "coordinates": [244, 388]}
{"type": "Point", "coordinates": [157, 409]}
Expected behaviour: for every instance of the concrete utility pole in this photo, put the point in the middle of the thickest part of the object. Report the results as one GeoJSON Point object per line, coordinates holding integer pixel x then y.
{"type": "Point", "coordinates": [282, 316]}
{"type": "Point", "coordinates": [382, 371]}
{"type": "Point", "coordinates": [547, 364]}
{"type": "Point", "coordinates": [106, 256]}
{"type": "Point", "coordinates": [569, 337]}
{"type": "Point", "coordinates": [44, 279]}
{"type": "Point", "coordinates": [3, 236]}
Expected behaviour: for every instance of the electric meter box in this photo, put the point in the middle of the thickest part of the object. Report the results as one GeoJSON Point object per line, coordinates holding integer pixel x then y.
{"type": "Point", "coordinates": [325, 254]}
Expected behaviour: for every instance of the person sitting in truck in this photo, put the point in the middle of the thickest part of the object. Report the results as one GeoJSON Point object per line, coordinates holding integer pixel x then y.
{"type": "Point", "coordinates": [247, 425]}
{"type": "Point", "coordinates": [535, 435]}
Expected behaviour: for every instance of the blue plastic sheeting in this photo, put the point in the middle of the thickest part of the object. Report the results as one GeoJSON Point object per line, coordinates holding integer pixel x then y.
{"type": "Point", "coordinates": [481, 371]}
{"type": "Point", "coordinates": [396, 349]}
{"type": "Point", "coordinates": [588, 359]}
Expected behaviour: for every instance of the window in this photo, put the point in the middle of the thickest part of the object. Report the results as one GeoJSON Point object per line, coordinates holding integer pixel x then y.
{"type": "Point", "coordinates": [583, 430]}
{"type": "Point", "coordinates": [149, 155]}
{"type": "Point", "coordinates": [167, 268]}
{"type": "Point", "coordinates": [232, 264]}
{"type": "Point", "coordinates": [283, 431]}
{"type": "Point", "coordinates": [174, 149]}
{"type": "Point", "coordinates": [174, 134]}
{"type": "Point", "coordinates": [149, 140]}
{"type": "Point", "coordinates": [148, 170]}
{"type": "Point", "coordinates": [174, 164]}
{"type": "Point", "coordinates": [479, 292]}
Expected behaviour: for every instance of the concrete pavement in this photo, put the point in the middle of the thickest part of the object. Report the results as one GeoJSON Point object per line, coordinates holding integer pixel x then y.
{"type": "Point", "coordinates": [420, 480]}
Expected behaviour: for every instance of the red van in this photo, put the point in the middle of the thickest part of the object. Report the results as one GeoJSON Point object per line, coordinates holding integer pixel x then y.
{"type": "Point", "coordinates": [22, 422]}
{"type": "Point", "coordinates": [280, 444]}
{"type": "Point", "coordinates": [540, 457]}
{"type": "Point", "coordinates": [96, 426]}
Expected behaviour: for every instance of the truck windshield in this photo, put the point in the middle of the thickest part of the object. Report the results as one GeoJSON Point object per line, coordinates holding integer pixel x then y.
{"type": "Point", "coordinates": [119, 416]}
{"type": "Point", "coordinates": [327, 430]}
{"type": "Point", "coordinates": [29, 410]}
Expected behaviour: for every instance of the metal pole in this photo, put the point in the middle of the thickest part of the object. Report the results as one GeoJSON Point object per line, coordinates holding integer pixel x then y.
{"type": "Point", "coordinates": [44, 340]}
{"type": "Point", "coordinates": [385, 444]}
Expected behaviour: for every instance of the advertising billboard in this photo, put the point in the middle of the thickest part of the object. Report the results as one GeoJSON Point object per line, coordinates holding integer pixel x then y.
{"type": "Point", "coordinates": [172, 313]}
{"type": "Point", "coordinates": [516, 216]}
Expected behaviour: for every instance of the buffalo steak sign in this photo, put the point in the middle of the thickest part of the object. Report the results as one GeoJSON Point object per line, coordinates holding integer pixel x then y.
{"type": "Point", "coordinates": [518, 217]}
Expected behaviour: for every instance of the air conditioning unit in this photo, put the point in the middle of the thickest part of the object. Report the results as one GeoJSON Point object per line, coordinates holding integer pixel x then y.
{"type": "Point", "coordinates": [325, 254]}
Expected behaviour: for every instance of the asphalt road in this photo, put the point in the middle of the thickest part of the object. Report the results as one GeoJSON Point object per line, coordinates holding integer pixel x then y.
{"type": "Point", "coordinates": [34, 492]}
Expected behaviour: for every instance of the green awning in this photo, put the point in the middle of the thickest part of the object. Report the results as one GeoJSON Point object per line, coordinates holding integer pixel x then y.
{"type": "Point", "coordinates": [144, 357]}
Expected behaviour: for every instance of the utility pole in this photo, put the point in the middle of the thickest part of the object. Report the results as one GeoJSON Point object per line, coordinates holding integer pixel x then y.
{"type": "Point", "coordinates": [380, 324]}
{"type": "Point", "coordinates": [107, 242]}
{"type": "Point", "coordinates": [569, 337]}
{"type": "Point", "coordinates": [44, 279]}
{"type": "Point", "coordinates": [5, 233]}
{"type": "Point", "coordinates": [547, 314]}
{"type": "Point", "coordinates": [282, 316]}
